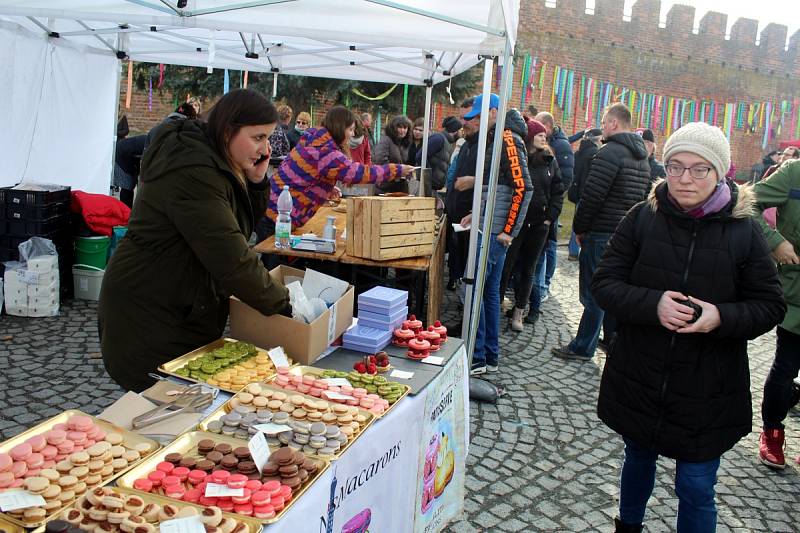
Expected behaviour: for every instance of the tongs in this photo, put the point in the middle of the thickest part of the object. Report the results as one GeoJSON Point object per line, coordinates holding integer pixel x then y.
{"type": "Point", "coordinates": [192, 400]}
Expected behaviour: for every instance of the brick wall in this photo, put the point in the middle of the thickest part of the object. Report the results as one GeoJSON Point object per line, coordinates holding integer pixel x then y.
{"type": "Point", "coordinates": [637, 54]}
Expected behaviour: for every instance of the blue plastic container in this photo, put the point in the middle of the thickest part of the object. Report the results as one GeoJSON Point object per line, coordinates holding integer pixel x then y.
{"type": "Point", "coordinates": [365, 339]}
{"type": "Point", "coordinates": [383, 318]}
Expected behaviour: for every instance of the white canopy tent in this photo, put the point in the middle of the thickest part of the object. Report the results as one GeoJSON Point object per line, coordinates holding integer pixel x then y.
{"type": "Point", "coordinates": [60, 64]}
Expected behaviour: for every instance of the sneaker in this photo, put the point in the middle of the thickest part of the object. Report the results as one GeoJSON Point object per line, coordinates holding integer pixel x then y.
{"type": "Point", "coordinates": [565, 353]}
{"type": "Point", "coordinates": [532, 317]}
{"type": "Point", "coordinates": [492, 368]}
{"type": "Point", "coordinates": [477, 369]}
{"type": "Point", "coordinates": [770, 448]}
{"type": "Point", "coordinates": [545, 296]}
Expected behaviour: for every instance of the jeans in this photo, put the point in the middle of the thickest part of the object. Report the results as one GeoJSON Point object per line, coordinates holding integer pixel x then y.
{"type": "Point", "coordinates": [520, 262]}
{"type": "Point", "coordinates": [487, 339]}
{"type": "Point", "coordinates": [545, 268]}
{"type": "Point", "coordinates": [778, 387]}
{"type": "Point", "coordinates": [694, 485]}
{"type": "Point", "coordinates": [574, 247]}
{"type": "Point", "coordinates": [585, 342]}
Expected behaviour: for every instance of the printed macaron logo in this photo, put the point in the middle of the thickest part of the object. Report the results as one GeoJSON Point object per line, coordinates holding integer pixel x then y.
{"type": "Point", "coordinates": [359, 523]}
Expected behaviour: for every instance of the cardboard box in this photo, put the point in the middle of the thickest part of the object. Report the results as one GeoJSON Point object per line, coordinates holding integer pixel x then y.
{"type": "Point", "coordinates": [302, 342]}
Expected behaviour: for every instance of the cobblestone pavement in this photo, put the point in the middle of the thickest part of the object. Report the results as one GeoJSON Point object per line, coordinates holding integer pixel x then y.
{"type": "Point", "coordinates": [540, 460]}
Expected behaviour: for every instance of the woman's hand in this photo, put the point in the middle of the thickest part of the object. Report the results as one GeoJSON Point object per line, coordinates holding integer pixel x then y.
{"type": "Point", "coordinates": [259, 171]}
{"type": "Point", "coordinates": [709, 319]}
{"type": "Point", "coordinates": [674, 315]}
{"type": "Point", "coordinates": [784, 254]}
{"type": "Point", "coordinates": [406, 170]}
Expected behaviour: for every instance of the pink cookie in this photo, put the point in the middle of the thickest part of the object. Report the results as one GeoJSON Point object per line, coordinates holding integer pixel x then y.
{"type": "Point", "coordinates": [321, 384]}
{"type": "Point", "coordinates": [334, 388]}
{"type": "Point", "coordinates": [376, 409]}
{"type": "Point", "coordinates": [48, 464]}
{"type": "Point", "coordinates": [354, 403]}
{"type": "Point", "coordinates": [308, 379]}
{"type": "Point", "coordinates": [19, 469]}
{"type": "Point", "coordinates": [315, 392]}
{"type": "Point", "coordinates": [60, 427]}
{"type": "Point", "coordinates": [49, 452]}
{"type": "Point", "coordinates": [35, 460]}
{"type": "Point", "coordinates": [80, 423]}
{"type": "Point", "coordinates": [37, 442]}
{"type": "Point", "coordinates": [286, 492]}
{"type": "Point", "coordinates": [21, 452]}
{"type": "Point", "coordinates": [56, 436]}
{"type": "Point", "coordinates": [303, 388]}
{"type": "Point", "coordinates": [367, 403]}
{"type": "Point", "coordinates": [373, 396]}
{"type": "Point", "coordinates": [359, 393]}
{"type": "Point", "coordinates": [66, 447]}
{"type": "Point", "coordinates": [290, 387]}
{"type": "Point", "coordinates": [347, 389]}
{"type": "Point", "coordinates": [295, 379]}
{"type": "Point", "coordinates": [5, 462]}
{"type": "Point", "coordinates": [253, 485]}
{"type": "Point", "coordinates": [6, 479]}
{"type": "Point", "coordinates": [101, 436]}
{"type": "Point", "coordinates": [282, 380]}
{"type": "Point", "coordinates": [283, 370]}
{"type": "Point", "coordinates": [18, 483]}
{"type": "Point", "coordinates": [78, 437]}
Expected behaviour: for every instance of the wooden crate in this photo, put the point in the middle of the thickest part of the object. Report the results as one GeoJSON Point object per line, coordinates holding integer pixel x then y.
{"type": "Point", "coordinates": [382, 228]}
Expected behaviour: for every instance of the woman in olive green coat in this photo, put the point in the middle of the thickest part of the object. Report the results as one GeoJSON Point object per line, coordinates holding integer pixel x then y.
{"type": "Point", "coordinates": [165, 291]}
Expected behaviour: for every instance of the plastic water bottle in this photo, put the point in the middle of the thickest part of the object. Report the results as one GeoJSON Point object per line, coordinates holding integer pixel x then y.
{"type": "Point", "coordinates": [283, 225]}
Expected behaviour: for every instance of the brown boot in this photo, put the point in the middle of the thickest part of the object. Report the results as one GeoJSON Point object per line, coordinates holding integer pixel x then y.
{"type": "Point", "coordinates": [516, 319]}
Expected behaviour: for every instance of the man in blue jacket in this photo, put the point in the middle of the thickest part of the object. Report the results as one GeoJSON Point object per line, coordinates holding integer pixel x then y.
{"type": "Point", "coordinates": [514, 191]}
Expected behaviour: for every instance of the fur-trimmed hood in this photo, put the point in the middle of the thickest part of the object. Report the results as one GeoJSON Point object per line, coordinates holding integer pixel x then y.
{"type": "Point", "coordinates": [742, 204]}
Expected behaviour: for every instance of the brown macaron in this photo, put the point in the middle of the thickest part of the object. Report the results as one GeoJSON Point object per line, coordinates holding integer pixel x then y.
{"type": "Point", "coordinates": [215, 456]}
{"type": "Point", "coordinates": [223, 448]}
{"type": "Point", "coordinates": [205, 446]}
{"type": "Point", "coordinates": [188, 462]}
{"type": "Point", "coordinates": [242, 452]}
{"type": "Point", "coordinates": [282, 456]}
{"type": "Point", "coordinates": [229, 462]}
{"type": "Point", "coordinates": [174, 458]}
{"type": "Point", "coordinates": [205, 465]}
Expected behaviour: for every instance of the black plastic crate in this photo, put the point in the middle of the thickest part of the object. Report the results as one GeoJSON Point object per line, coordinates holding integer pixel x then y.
{"type": "Point", "coordinates": [24, 228]}
{"type": "Point", "coordinates": [15, 197]}
{"type": "Point", "coordinates": [36, 213]}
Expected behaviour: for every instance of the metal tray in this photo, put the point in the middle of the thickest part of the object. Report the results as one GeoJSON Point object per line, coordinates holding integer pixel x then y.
{"type": "Point", "coordinates": [253, 524]}
{"type": "Point", "coordinates": [171, 366]}
{"type": "Point", "coordinates": [129, 440]}
{"type": "Point", "coordinates": [226, 408]}
{"type": "Point", "coordinates": [10, 527]}
{"type": "Point", "coordinates": [187, 444]}
{"type": "Point", "coordinates": [302, 370]}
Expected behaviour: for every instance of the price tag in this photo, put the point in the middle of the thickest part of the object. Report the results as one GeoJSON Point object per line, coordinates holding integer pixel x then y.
{"type": "Point", "coordinates": [19, 499]}
{"type": "Point", "coordinates": [191, 524]}
{"type": "Point", "coordinates": [278, 357]}
{"type": "Point", "coordinates": [337, 396]}
{"type": "Point", "coordinates": [402, 374]}
{"type": "Point", "coordinates": [30, 277]}
{"type": "Point", "coordinates": [337, 382]}
{"type": "Point", "coordinates": [272, 429]}
{"type": "Point", "coordinates": [434, 360]}
{"type": "Point", "coordinates": [215, 490]}
{"type": "Point", "coordinates": [259, 450]}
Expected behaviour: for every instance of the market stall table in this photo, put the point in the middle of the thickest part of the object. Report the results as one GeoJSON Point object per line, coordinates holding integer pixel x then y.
{"type": "Point", "coordinates": [427, 270]}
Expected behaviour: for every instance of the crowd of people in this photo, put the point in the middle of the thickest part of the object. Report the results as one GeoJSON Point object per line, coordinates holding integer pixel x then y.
{"type": "Point", "coordinates": [678, 265]}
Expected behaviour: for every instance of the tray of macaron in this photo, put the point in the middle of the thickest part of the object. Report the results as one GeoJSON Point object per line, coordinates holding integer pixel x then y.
{"type": "Point", "coordinates": [63, 457]}
{"type": "Point", "coordinates": [317, 427]}
{"type": "Point", "coordinates": [217, 470]}
{"type": "Point", "coordinates": [373, 393]}
{"type": "Point", "coordinates": [115, 509]}
{"type": "Point", "coordinates": [227, 364]}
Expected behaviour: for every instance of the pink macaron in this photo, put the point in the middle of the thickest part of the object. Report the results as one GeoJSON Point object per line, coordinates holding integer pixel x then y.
{"type": "Point", "coordinates": [260, 498]}
{"type": "Point", "coordinates": [282, 381]}
{"type": "Point", "coordinates": [225, 504]}
{"type": "Point", "coordinates": [80, 423]}
{"type": "Point", "coordinates": [253, 485]}
{"type": "Point", "coordinates": [56, 436]}
{"type": "Point", "coordinates": [244, 498]}
{"type": "Point", "coordinates": [35, 460]}
{"type": "Point", "coordinates": [19, 469]}
{"type": "Point", "coordinates": [244, 509]}
{"type": "Point", "coordinates": [316, 392]}
{"type": "Point", "coordinates": [196, 477]}
{"type": "Point", "coordinates": [264, 512]}
{"type": "Point", "coordinates": [6, 479]}
{"type": "Point", "coordinates": [37, 442]}
{"type": "Point", "coordinates": [49, 452]}
{"type": "Point", "coordinates": [286, 492]}
{"type": "Point", "coordinates": [78, 437]}
{"type": "Point", "coordinates": [282, 370]}
{"type": "Point", "coordinates": [66, 447]}
{"type": "Point", "coordinates": [21, 452]}
{"type": "Point", "coordinates": [308, 379]}
{"type": "Point", "coordinates": [193, 496]}
{"type": "Point", "coordinates": [236, 481]}
{"type": "Point", "coordinates": [206, 501]}
{"type": "Point", "coordinates": [272, 487]}
{"type": "Point", "coordinates": [5, 462]}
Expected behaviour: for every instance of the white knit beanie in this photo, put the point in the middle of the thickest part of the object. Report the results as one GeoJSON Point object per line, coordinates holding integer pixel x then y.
{"type": "Point", "coordinates": [701, 139]}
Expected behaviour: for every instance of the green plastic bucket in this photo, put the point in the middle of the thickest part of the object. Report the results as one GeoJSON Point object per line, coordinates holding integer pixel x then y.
{"type": "Point", "coordinates": [92, 251]}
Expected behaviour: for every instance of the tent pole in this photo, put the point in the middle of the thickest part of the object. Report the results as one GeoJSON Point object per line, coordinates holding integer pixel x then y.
{"type": "Point", "coordinates": [425, 135]}
{"type": "Point", "coordinates": [494, 170]}
{"type": "Point", "coordinates": [488, 67]}
{"type": "Point", "coordinates": [116, 117]}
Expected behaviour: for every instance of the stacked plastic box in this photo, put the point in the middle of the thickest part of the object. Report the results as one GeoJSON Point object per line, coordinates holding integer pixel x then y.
{"type": "Point", "coordinates": [381, 310]}
{"type": "Point", "coordinates": [34, 290]}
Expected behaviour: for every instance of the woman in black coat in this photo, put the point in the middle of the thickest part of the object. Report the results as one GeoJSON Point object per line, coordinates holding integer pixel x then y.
{"type": "Point", "coordinates": [690, 279]}
{"type": "Point", "coordinates": [545, 206]}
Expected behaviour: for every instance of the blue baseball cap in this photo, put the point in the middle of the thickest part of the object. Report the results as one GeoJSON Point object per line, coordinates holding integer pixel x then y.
{"type": "Point", "coordinates": [494, 103]}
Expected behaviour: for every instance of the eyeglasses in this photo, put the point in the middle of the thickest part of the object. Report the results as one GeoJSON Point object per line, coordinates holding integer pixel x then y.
{"type": "Point", "coordinates": [302, 122]}
{"type": "Point", "coordinates": [697, 172]}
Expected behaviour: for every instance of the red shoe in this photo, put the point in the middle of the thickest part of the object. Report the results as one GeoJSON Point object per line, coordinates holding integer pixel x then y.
{"type": "Point", "coordinates": [770, 448]}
